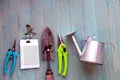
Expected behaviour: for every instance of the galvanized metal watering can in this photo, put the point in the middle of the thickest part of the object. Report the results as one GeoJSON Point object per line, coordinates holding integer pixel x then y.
{"type": "Point", "coordinates": [92, 51]}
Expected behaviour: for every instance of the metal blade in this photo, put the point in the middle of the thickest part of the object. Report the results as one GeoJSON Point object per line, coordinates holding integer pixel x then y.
{"type": "Point", "coordinates": [46, 40]}
{"type": "Point", "coordinates": [59, 40]}
{"type": "Point", "coordinates": [14, 45]}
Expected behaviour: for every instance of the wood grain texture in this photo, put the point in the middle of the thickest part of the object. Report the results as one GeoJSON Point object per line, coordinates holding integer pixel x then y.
{"type": "Point", "coordinates": [98, 18]}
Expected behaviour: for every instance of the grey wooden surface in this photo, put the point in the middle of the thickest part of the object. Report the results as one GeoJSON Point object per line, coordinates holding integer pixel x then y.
{"type": "Point", "coordinates": [99, 18]}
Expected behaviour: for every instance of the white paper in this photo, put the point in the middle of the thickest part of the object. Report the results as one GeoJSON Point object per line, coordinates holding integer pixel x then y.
{"type": "Point", "coordinates": [29, 54]}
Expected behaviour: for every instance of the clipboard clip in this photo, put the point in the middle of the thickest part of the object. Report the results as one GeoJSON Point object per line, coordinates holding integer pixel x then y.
{"type": "Point", "coordinates": [29, 34]}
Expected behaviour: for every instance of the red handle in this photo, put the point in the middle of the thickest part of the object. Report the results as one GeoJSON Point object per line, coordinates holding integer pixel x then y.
{"type": "Point", "coordinates": [49, 77]}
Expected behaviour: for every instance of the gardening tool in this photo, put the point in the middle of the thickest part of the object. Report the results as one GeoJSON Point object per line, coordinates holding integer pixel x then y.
{"type": "Point", "coordinates": [92, 51]}
{"type": "Point", "coordinates": [11, 54]}
{"type": "Point", "coordinates": [47, 47]}
{"type": "Point", "coordinates": [62, 55]}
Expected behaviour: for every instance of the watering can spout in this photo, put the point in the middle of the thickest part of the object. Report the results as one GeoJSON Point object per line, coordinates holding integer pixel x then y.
{"type": "Point", "coordinates": [71, 35]}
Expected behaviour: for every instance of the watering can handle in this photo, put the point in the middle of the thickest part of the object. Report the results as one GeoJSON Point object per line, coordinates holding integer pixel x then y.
{"type": "Point", "coordinates": [113, 49]}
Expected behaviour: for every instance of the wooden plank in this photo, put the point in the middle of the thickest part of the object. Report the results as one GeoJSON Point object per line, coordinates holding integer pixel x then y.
{"type": "Point", "coordinates": [76, 14]}
{"type": "Point", "coordinates": [37, 21]}
{"type": "Point", "coordinates": [107, 33]}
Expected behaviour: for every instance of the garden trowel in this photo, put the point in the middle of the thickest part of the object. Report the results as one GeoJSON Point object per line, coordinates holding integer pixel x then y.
{"type": "Point", "coordinates": [47, 47]}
